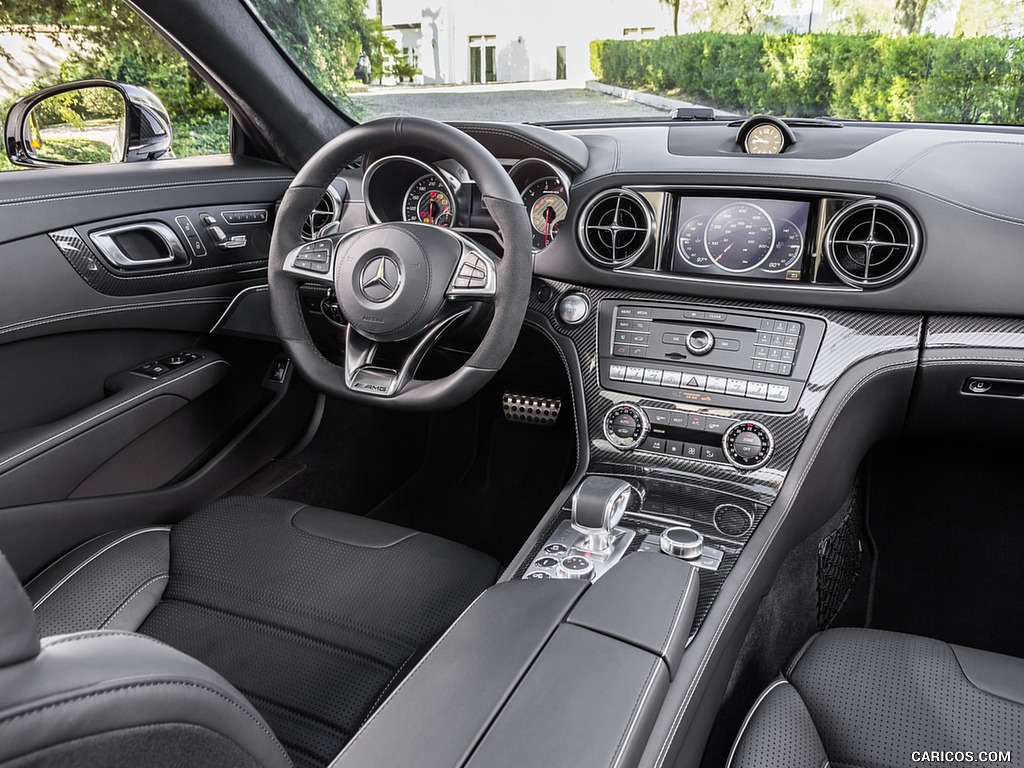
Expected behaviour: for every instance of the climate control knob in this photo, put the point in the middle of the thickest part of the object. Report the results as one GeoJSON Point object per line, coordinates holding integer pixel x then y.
{"type": "Point", "coordinates": [626, 426]}
{"type": "Point", "coordinates": [747, 444]}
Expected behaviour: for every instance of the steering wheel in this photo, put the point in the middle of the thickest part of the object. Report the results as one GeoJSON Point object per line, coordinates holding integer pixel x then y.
{"type": "Point", "coordinates": [403, 281]}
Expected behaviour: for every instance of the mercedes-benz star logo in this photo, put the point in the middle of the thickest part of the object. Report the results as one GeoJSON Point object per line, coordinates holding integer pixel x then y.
{"type": "Point", "coordinates": [381, 279]}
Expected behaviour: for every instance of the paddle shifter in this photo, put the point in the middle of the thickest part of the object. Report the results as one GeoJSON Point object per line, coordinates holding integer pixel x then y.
{"type": "Point", "coordinates": [597, 507]}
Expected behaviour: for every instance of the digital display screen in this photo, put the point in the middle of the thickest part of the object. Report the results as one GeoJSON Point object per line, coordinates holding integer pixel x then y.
{"type": "Point", "coordinates": [726, 237]}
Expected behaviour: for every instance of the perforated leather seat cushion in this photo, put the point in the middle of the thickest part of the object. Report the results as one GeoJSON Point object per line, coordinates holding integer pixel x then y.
{"type": "Point", "coordinates": [310, 613]}
{"type": "Point", "coordinates": [870, 699]}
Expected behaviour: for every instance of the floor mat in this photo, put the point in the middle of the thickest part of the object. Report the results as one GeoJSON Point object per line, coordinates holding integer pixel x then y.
{"type": "Point", "coordinates": [486, 482]}
{"type": "Point", "coordinates": [949, 530]}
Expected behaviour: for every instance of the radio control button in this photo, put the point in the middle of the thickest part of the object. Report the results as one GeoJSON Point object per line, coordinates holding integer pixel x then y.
{"type": "Point", "coordinates": [793, 328]}
{"type": "Point", "coordinates": [761, 352]}
{"type": "Point", "coordinates": [623, 325]}
{"type": "Point", "coordinates": [787, 355]}
{"type": "Point", "coordinates": [617, 373]}
{"type": "Point", "coordinates": [785, 369]}
{"type": "Point", "coordinates": [728, 345]}
{"type": "Point", "coordinates": [638, 351]}
{"type": "Point", "coordinates": [734, 387]}
{"type": "Point", "coordinates": [671, 379]}
{"type": "Point", "coordinates": [716, 317]}
{"type": "Point", "coordinates": [772, 367]}
{"type": "Point", "coordinates": [762, 337]}
{"type": "Point", "coordinates": [620, 350]}
{"type": "Point", "coordinates": [759, 366]}
{"type": "Point", "coordinates": [779, 326]}
{"type": "Point", "coordinates": [716, 384]}
{"type": "Point", "coordinates": [766, 324]}
{"type": "Point", "coordinates": [692, 314]}
{"type": "Point", "coordinates": [700, 342]}
{"type": "Point", "coordinates": [790, 342]}
{"type": "Point", "coordinates": [673, 338]}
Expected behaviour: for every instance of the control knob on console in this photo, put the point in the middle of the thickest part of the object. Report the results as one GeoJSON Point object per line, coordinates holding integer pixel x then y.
{"type": "Point", "coordinates": [682, 542]}
{"type": "Point", "coordinates": [626, 426]}
{"type": "Point", "coordinates": [700, 341]}
{"type": "Point", "coordinates": [747, 444]}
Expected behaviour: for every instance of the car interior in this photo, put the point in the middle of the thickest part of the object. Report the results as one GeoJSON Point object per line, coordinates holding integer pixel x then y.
{"type": "Point", "coordinates": [479, 444]}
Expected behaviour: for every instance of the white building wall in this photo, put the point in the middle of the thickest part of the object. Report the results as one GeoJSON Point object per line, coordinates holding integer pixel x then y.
{"type": "Point", "coordinates": [527, 33]}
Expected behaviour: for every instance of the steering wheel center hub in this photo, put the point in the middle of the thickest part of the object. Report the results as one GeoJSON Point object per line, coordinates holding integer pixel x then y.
{"type": "Point", "coordinates": [390, 279]}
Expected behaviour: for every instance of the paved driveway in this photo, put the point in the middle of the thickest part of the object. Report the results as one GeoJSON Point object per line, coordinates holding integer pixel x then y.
{"type": "Point", "coordinates": [512, 102]}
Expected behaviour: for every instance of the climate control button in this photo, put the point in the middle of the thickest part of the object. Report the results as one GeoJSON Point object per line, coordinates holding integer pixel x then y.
{"type": "Point", "coordinates": [747, 445]}
{"type": "Point", "coordinates": [626, 426]}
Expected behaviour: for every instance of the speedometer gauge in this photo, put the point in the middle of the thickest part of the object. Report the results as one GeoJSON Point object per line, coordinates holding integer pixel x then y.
{"type": "Point", "coordinates": [545, 199]}
{"type": "Point", "coordinates": [429, 200]}
{"type": "Point", "coordinates": [789, 243]}
{"type": "Point", "coordinates": [691, 242]}
{"type": "Point", "coordinates": [739, 237]}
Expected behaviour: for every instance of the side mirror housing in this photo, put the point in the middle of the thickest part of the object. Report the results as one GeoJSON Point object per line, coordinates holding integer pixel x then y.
{"type": "Point", "coordinates": [88, 121]}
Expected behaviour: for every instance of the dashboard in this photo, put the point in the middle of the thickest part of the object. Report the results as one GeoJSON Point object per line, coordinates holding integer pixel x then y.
{"type": "Point", "coordinates": [404, 188]}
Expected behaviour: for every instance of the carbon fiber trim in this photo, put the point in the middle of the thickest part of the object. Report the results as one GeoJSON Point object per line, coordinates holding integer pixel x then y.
{"type": "Point", "coordinates": [659, 504]}
{"type": "Point", "coordinates": [92, 270]}
{"type": "Point", "coordinates": [952, 331]}
{"type": "Point", "coordinates": [849, 338]}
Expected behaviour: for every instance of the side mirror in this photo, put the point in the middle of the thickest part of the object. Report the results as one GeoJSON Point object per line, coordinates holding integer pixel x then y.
{"type": "Point", "coordinates": [89, 121]}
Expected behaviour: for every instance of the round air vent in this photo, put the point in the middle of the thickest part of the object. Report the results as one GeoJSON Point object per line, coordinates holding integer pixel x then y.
{"type": "Point", "coordinates": [327, 211]}
{"type": "Point", "coordinates": [871, 243]}
{"type": "Point", "coordinates": [616, 227]}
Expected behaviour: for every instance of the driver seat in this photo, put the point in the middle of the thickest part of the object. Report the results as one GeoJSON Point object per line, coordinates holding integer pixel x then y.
{"type": "Point", "coordinates": [313, 615]}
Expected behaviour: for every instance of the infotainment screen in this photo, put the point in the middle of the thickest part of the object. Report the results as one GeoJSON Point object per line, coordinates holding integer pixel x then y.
{"type": "Point", "coordinates": [720, 236]}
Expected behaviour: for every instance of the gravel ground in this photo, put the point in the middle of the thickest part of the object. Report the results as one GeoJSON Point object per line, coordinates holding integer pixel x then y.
{"type": "Point", "coordinates": [503, 103]}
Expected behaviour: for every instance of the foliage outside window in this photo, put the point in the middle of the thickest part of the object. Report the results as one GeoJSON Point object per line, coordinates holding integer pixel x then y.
{"type": "Point", "coordinates": [109, 41]}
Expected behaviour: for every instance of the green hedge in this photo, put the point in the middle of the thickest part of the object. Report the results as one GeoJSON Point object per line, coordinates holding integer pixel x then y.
{"type": "Point", "coordinates": [870, 77]}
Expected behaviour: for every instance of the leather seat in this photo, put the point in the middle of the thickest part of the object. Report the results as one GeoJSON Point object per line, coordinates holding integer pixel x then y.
{"type": "Point", "coordinates": [862, 697]}
{"type": "Point", "coordinates": [310, 613]}
{"type": "Point", "coordinates": [116, 698]}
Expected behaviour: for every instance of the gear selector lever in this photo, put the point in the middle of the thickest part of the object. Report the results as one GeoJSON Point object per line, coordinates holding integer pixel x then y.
{"type": "Point", "coordinates": [597, 507]}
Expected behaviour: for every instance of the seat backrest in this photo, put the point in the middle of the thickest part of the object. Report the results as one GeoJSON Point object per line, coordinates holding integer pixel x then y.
{"type": "Point", "coordinates": [116, 698]}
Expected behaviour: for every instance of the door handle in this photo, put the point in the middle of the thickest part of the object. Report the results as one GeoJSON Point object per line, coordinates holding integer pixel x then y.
{"type": "Point", "coordinates": [157, 242]}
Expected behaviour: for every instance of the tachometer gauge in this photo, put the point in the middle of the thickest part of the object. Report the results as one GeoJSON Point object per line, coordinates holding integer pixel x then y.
{"type": "Point", "coordinates": [739, 237]}
{"type": "Point", "coordinates": [429, 200]}
{"type": "Point", "coordinates": [789, 244]}
{"type": "Point", "coordinates": [691, 242]}
{"type": "Point", "coordinates": [545, 199]}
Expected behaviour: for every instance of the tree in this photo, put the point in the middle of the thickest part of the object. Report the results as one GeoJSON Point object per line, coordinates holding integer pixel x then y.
{"type": "Point", "coordinates": [733, 16]}
{"type": "Point", "coordinates": [908, 17]}
{"type": "Point", "coordinates": [674, 5]}
{"type": "Point", "coordinates": [999, 18]}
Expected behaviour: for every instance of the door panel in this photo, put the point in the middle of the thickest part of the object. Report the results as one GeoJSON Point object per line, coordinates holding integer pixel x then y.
{"type": "Point", "coordinates": [80, 311]}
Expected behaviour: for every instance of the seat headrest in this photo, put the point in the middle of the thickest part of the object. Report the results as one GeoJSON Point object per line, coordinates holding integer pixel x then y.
{"type": "Point", "coordinates": [19, 637]}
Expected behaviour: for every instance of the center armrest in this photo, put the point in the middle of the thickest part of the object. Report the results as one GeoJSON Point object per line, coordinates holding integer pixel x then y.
{"type": "Point", "coordinates": [581, 669]}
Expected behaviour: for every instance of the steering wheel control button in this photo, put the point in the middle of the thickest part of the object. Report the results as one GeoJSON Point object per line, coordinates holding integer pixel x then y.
{"type": "Point", "coordinates": [574, 308]}
{"type": "Point", "coordinates": [700, 341]}
{"type": "Point", "coordinates": [747, 445]}
{"type": "Point", "coordinates": [575, 567]}
{"type": "Point", "coordinates": [682, 542]}
{"type": "Point", "coordinates": [626, 426]}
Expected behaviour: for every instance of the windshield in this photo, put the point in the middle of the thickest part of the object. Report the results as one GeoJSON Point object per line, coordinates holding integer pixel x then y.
{"type": "Point", "coordinates": [544, 61]}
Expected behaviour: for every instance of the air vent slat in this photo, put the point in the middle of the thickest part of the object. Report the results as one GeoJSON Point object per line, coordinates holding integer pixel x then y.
{"type": "Point", "coordinates": [871, 243]}
{"type": "Point", "coordinates": [326, 211]}
{"type": "Point", "coordinates": [616, 228]}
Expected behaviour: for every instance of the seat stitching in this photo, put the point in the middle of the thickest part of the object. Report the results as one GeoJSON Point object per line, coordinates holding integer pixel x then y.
{"type": "Point", "coordinates": [750, 716]}
{"type": "Point", "coordinates": [705, 659]}
{"type": "Point", "coordinates": [134, 307]}
{"type": "Point", "coordinates": [97, 633]}
{"type": "Point", "coordinates": [410, 676]}
{"type": "Point", "coordinates": [135, 594]}
{"type": "Point", "coordinates": [208, 689]}
{"type": "Point", "coordinates": [93, 557]}
{"type": "Point", "coordinates": [263, 599]}
{"type": "Point", "coordinates": [679, 605]}
{"type": "Point", "coordinates": [286, 710]}
{"type": "Point", "coordinates": [270, 628]}
{"type": "Point", "coordinates": [391, 680]}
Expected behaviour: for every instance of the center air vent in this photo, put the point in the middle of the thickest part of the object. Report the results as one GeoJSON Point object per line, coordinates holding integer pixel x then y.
{"type": "Point", "coordinates": [616, 227]}
{"type": "Point", "coordinates": [871, 243]}
{"type": "Point", "coordinates": [327, 211]}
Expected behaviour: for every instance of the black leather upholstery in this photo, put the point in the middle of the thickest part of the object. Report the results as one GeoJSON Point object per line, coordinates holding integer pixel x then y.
{"type": "Point", "coordinates": [100, 698]}
{"type": "Point", "coordinates": [861, 697]}
{"type": "Point", "coordinates": [311, 614]}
